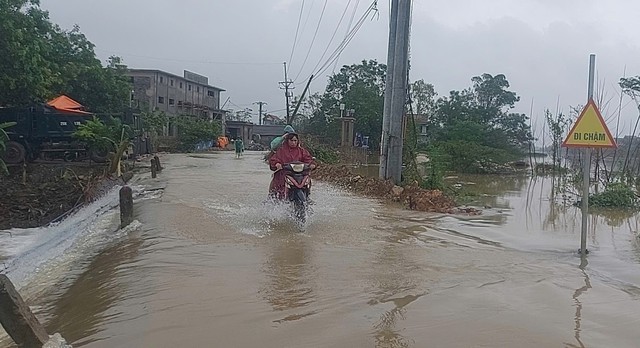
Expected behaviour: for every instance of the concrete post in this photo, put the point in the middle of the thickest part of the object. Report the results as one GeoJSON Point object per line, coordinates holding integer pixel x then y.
{"type": "Point", "coordinates": [126, 206]}
{"type": "Point", "coordinates": [17, 319]}
{"type": "Point", "coordinates": [158, 166]}
{"type": "Point", "coordinates": [154, 169]}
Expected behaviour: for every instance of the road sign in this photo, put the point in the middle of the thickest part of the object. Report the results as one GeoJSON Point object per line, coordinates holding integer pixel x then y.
{"type": "Point", "coordinates": [590, 130]}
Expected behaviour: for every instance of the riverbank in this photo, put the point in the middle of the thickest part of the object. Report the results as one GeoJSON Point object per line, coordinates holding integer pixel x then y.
{"type": "Point", "coordinates": [41, 193]}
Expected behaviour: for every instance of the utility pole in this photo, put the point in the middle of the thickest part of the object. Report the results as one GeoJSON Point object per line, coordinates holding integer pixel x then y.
{"type": "Point", "coordinates": [260, 103]}
{"type": "Point", "coordinates": [395, 91]}
{"type": "Point", "coordinates": [286, 85]}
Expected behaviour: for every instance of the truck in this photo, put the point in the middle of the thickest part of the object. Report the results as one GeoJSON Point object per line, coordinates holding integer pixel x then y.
{"type": "Point", "coordinates": [46, 132]}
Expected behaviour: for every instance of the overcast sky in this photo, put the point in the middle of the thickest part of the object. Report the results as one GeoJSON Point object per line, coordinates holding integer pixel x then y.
{"type": "Point", "coordinates": [542, 46]}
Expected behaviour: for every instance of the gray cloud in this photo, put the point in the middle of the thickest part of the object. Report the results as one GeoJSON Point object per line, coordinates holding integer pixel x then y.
{"type": "Point", "coordinates": [542, 46]}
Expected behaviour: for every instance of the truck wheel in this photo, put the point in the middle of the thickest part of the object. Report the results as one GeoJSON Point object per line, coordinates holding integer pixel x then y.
{"type": "Point", "coordinates": [99, 155]}
{"type": "Point", "coordinates": [15, 153]}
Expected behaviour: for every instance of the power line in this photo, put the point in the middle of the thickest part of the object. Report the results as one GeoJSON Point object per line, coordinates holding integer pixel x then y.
{"type": "Point", "coordinates": [353, 15]}
{"type": "Point", "coordinates": [312, 40]}
{"type": "Point", "coordinates": [295, 39]}
{"type": "Point", "coordinates": [344, 13]}
{"type": "Point", "coordinates": [334, 56]}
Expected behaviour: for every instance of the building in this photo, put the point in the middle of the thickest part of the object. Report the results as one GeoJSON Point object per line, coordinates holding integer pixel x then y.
{"type": "Point", "coordinates": [269, 119]}
{"type": "Point", "coordinates": [422, 123]}
{"type": "Point", "coordinates": [175, 95]}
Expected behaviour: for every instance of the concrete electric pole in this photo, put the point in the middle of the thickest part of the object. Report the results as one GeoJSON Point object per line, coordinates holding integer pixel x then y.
{"type": "Point", "coordinates": [260, 104]}
{"type": "Point", "coordinates": [286, 85]}
{"type": "Point", "coordinates": [395, 94]}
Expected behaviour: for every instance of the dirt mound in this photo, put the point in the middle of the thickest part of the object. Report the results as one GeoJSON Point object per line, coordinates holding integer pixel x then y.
{"type": "Point", "coordinates": [411, 196]}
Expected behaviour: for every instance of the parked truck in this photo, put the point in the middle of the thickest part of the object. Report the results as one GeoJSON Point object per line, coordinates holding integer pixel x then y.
{"type": "Point", "coordinates": [45, 132]}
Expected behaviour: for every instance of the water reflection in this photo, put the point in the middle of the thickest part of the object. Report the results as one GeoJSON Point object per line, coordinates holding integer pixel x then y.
{"type": "Point", "coordinates": [79, 310]}
{"type": "Point", "coordinates": [576, 298]}
{"type": "Point", "coordinates": [396, 281]}
{"type": "Point", "coordinates": [289, 274]}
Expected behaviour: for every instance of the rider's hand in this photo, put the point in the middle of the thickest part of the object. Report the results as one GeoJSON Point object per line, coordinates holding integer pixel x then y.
{"type": "Point", "coordinates": [278, 166]}
{"type": "Point", "coordinates": [312, 166]}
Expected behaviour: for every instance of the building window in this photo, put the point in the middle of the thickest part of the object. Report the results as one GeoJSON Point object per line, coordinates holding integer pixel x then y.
{"type": "Point", "coordinates": [171, 82]}
{"type": "Point", "coordinates": [171, 101]}
{"type": "Point", "coordinates": [198, 89]}
{"type": "Point", "coordinates": [161, 79]}
{"type": "Point", "coordinates": [423, 129]}
{"type": "Point", "coordinates": [189, 87]}
{"type": "Point", "coordinates": [160, 100]}
{"type": "Point", "coordinates": [211, 93]}
{"type": "Point", "coordinates": [132, 79]}
{"type": "Point", "coordinates": [180, 85]}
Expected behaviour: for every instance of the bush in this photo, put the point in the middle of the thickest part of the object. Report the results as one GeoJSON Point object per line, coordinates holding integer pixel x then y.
{"type": "Point", "coordinates": [470, 157]}
{"type": "Point", "coordinates": [192, 131]}
{"type": "Point", "coordinates": [324, 154]}
{"type": "Point", "coordinates": [616, 195]}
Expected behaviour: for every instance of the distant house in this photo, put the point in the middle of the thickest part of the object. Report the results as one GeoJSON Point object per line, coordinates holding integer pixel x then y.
{"type": "Point", "coordinates": [269, 119]}
{"type": "Point", "coordinates": [239, 129]}
{"type": "Point", "coordinates": [175, 95]}
{"type": "Point", "coordinates": [265, 133]}
{"type": "Point", "coordinates": [421, 121]}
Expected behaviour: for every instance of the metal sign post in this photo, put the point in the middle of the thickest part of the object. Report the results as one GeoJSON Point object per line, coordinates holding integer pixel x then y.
{"type": "Point", "coordinates": [590, 131]}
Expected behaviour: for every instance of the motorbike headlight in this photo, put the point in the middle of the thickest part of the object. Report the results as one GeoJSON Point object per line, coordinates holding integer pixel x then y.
{"type": "Point", "coordinates": [298, 167]}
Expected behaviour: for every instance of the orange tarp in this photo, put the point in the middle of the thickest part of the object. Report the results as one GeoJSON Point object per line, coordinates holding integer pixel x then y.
{"type": "Point", "coordinates": [64, 103]}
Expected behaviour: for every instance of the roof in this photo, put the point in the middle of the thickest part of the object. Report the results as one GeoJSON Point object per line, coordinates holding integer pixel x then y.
{"type": "Point", "coordinates": [175, 76]}
{"type": "Point", "coordinates": [268, 130]}
{"type": "Point", "coordinates": [66, 104]}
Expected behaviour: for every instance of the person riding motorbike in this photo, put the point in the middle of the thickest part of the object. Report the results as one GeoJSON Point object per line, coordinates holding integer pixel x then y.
{"type": "Point", "coordinates": [289, 151]}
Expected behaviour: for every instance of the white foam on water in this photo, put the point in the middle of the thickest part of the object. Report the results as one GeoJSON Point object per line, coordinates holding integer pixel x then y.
{"type": "Point", "coordinates": [42, 255]}
{"type": "Point", "coordinates": [259, 218]}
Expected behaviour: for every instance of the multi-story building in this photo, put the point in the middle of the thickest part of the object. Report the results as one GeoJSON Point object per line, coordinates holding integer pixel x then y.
{"type": "Point", "coordinates": [175, 95]}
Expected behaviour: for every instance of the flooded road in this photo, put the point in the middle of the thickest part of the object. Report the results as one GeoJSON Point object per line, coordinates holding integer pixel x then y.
{"type": "Point", "coordinates": [207, 264]}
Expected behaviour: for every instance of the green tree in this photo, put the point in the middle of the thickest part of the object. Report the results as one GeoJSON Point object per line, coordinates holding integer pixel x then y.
{"type": "Point", "coordinates": [474, 129]}
{"type": "Point", "coordinates": [193, 130]}
{"type": "Point", "coordinates": [359, 87]}
{"type": "Point", "coordinates": [557, 126]}
{"type": "Point", "coordinates": [154, 121]}
{"type": "Point", "coordinates": [26, 72]}
{"type": "Point", "coordinates": [38, 61]}
{"type": "Point", "coordinates": [423, 98]}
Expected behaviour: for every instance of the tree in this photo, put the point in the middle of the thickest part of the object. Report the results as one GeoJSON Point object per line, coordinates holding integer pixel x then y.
{"type": "Point", "coordinates": [557, 125]}
{"type": "Point", "coordinates": [240, 115]}
{"type": "Point", "coordinates": [359, 87]}
{"type": "Point", "coordinates": [423, 98]}
{"type": "Point", "coordinates": [38, 61]}
{"type": "Point", "coordinates": [193, 130]}
{"type": "Point", "coordinates": [26, 72]}
{"type": "Point", "coordinates": [474, 129]}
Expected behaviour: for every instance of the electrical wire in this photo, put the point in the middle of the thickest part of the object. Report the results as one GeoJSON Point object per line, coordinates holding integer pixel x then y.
{"type": "Point", "coordinates": [315, 34]}
{"type": "Point", "coordinates": [334, 56]}
{"type": "Point", "coordinates": [353, 15]}
{"type": "Point", "coordinates": [295, 39]}
{"type": "Point", "coordinates": [344, 13]}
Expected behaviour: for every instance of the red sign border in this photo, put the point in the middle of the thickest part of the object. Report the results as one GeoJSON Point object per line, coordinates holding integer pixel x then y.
{"type": "Point", "coordinates": [604, 125]}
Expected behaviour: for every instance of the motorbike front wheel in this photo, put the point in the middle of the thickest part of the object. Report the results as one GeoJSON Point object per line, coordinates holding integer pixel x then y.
{"type": "Point", "coordinates": [300, 205]}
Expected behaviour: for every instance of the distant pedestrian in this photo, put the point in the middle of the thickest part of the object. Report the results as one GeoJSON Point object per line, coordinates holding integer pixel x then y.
{"type": "Point", "coordinates": [239, 147]}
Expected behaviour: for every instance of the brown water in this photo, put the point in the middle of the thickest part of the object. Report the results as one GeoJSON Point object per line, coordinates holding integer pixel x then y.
{"type": "Point", "coordinates": [211, 266]}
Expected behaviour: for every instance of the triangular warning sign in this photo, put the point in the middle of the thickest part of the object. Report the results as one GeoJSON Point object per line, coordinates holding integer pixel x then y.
{"type": "Point", "coordinates": [590, 130]}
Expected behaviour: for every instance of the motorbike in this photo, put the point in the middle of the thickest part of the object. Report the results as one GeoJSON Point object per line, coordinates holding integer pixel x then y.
{"type": "Point", "coordinates": [297, 187]}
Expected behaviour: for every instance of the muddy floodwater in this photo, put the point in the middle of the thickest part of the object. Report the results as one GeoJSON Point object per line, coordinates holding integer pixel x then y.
{"type": "Point", "coordinates": [208, 264]}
